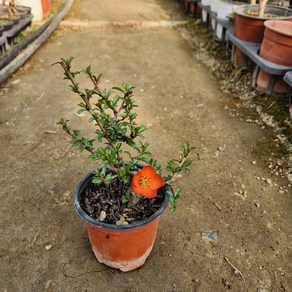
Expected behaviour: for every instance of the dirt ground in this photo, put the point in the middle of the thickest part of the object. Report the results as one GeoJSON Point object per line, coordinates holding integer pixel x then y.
{"type": "Point", "coordinates": [232, 229]}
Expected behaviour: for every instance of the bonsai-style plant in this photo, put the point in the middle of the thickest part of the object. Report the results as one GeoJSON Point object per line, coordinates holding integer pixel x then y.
{"type": "Point", "coordinates": [127, 190]}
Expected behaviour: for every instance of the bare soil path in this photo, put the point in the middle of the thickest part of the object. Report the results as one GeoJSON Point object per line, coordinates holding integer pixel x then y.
{"type": "Point", "coordinates": [232, 229]}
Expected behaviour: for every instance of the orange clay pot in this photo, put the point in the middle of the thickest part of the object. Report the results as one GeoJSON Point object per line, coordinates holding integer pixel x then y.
{"type": "Point", "coordinates": [277, 48]}
{"type": "Point", "coordinates": [124, 247]}
{"type": "Point", "coordinates": [46, 6]}
{"type": "Point", "coordinates": [251, 28]}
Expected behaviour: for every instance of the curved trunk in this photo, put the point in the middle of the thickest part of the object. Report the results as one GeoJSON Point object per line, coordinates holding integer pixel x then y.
{"type": "Point", "coordinates": [262, 6]}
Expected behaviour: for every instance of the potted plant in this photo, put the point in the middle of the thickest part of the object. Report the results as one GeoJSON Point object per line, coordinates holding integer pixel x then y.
{"type": "Point", "coordinates": [122, 199]}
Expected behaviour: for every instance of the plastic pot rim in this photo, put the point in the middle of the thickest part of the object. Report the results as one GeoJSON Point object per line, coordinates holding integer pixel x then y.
{"type": "Point", "coordinates": [76, 201]}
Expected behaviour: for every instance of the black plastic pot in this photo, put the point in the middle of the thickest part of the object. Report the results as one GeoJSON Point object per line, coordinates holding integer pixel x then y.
{"type": "Point", "coordinates": [23, 10]}
{"type": "Point", "coordinates": [6, 23]}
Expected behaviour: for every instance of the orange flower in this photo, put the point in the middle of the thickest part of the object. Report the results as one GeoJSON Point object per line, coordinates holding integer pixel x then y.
{"type": "Point", "coordinates": [147, 182]}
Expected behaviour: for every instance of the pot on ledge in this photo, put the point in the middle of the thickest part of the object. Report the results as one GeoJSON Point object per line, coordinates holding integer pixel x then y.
{"type": "Point", "coordinates": [277, 48]}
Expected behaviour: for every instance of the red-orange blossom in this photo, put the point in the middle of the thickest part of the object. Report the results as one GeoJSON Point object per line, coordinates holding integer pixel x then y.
{"type": "Point", "coordinates": [146, 182]}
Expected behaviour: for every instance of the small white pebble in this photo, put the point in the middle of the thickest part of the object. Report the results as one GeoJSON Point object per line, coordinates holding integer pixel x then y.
{"type": "Point", "coordinates": [48, 247]}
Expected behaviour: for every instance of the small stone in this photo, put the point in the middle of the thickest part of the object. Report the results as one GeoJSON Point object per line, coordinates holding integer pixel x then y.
{"type": "Point", "coordinates": [48, 247]}
{"type": "Point", "coordinates": [120, 222]}
{"type": "Point", "coordinates": [48, 284]}
{"type": "Point", "coordinates": [262, 289]}
{"type": "Point", "coordinates": [243, 186]}
{"type": "Point", "coordinates": [67, 194]}
{"type": "Point", "coordinates": [102, 216]}
{"type": "Point", "coordinates": [220, 148]}
{"type": "Point", "coordinates": [210, 235]}
{"type": "Point", "coordinates": [15, 81]}
{"type": "Point", "coordinates": [257, 205]}
{"type": "Point", "coordinates": [269, 182]}
{"type": "Point", "coordinates": [254, 162]}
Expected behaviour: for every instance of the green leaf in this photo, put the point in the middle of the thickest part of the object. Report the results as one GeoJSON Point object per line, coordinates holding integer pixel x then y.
{"type": "Point", "coordinates": [81, 104]}
{"type": "Point", "coordinates": [182, 148]}
{"type": "Point", "coordinates": [172, 201]}
{"type": "Point", "coordinates": [69, 60]}
{"type": "Point", "coordinates": [80, 111]}
{"type": "Point", "coordinates": [122, 172]}
{"type": "Point", "coordinates": [62, 122]}
{"type": "Point", "coordinates": [125, 179]}
{"type": "Point", "coordinates": [115, 100]}
{"type": "Point", "coordinates": [119, 89]}
{"type": "Point", "coordinates": [131, 143]}
{"type": "Point", "coordinates": [96, 180]}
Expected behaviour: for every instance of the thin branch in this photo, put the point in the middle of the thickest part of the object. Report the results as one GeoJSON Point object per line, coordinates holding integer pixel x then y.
{"type": "Point", "coordinates": [87, 102]}
{"type": "Point", "coordinates": [79, 275]}
{"type": "Point", "coordinates": [95, 83]}
{"type": "Point", "coordinates": [235, 270]}
{"type": "Point", "coordinates": [76, 140]}
{"type": "Point", "coordinates": [175, 175]}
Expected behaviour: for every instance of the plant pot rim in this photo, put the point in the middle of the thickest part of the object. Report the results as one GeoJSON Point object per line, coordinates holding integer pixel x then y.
{"type": "Point", "coordinates": [76, 200]}
{"type": "Point", "coordinates": [232, 2]}
{"type": "Point", "coordinates": [242, 9]}
{"type": "Point", "coordinates": [270, 24]}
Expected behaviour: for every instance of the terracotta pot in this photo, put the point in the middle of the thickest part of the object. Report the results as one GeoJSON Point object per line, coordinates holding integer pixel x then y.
{"type": "Point", "coordinates": [251, 28]}
{"type": "Point", "coordinates": [195, 10]}
{"type": "Point", "coordinates": [46, 5]}
{"type": "Point", "coordinates": [277, 48]}
{"type": "Point", "coordinates": [123, 247]}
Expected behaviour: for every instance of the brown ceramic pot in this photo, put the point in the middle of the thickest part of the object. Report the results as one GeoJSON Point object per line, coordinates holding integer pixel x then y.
{"type": "Point", "coordinates": [251, 28]}
{"type": "Point", "coordinates": [277, 48]}
{"type": "Point", "coordinates": [124, 247]}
